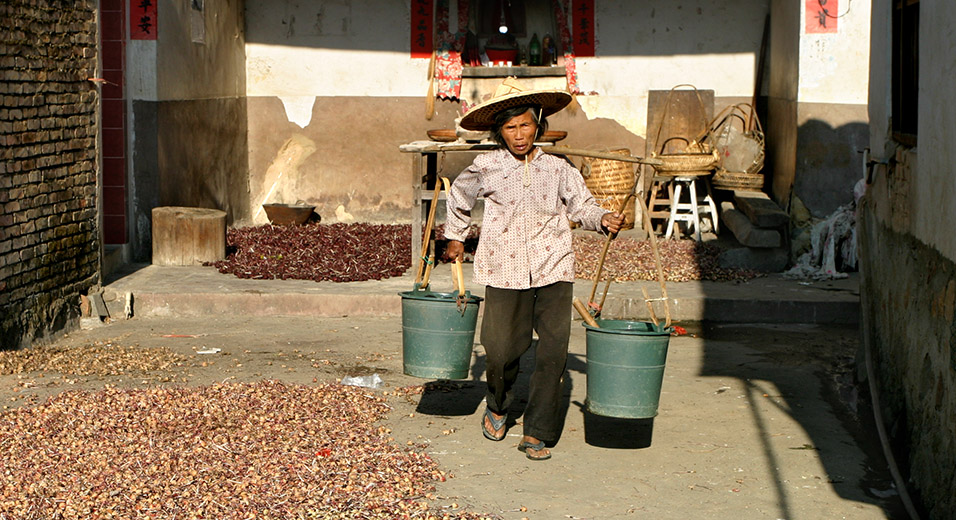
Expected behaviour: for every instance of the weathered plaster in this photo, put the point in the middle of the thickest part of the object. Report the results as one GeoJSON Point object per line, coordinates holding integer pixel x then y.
{"type": "Point", "coordinates": [652, 47]}
{"type": "Point", "coordinates": [831, 138]}
{"type": "Point", "coordinates": [728, 74]}
{"type": "Point", "coordinates": [937, 127]}
{"type": "Point", "coordinates": [817, 121]}
{"type": "Point", "coordinates": [331, 48]}
{"type": "Point", "coordinates": [907, 254]}
{"type": "Point", "coordinates": [141, 70]}
{"type": "Point", "coordinates": [288, 70]}
{"type": "Point", "coordinates": [908, 294]}
{"type": "Point", "coordinates": [834, 66]}
{"type": "Point", "coordinates": [919, 193]}
{"type": "Point", "coordinates": [201, 155]}
{"type": "Point", "coordinates": [214, 68]}
{"type": "Point", "coordinates": [298, 109]}
{"type": "Point", "coordinates": [356, 162]}
{"type": "Point", "coordinates": [337, 73]}
{"type": "Point", "coordinates": [280, 182]}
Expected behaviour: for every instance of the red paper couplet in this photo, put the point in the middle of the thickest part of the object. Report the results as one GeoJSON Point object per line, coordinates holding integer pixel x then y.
{"type": "Point", "coordinates": [142, 19]}
{"type": "Point", "coordinates": [582, 27]}
{"type": "Point", "coordinates": [422, 20]}
{"type": "Point", "coordinates": [821, 16]}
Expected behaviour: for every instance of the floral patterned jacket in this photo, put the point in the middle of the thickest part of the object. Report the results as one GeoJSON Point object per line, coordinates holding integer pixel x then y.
{"type": "Point", "coordinates": [525, 234]}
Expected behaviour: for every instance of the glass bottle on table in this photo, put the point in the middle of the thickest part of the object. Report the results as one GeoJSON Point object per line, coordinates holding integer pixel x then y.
{"type": "Point", "coordinates": [549, 50]}
{"type": "Point", "coordinates": [534, 51]}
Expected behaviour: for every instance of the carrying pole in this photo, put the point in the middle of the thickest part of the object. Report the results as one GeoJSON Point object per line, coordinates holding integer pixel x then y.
{"type": "Point", "coordinates": [563, 150]}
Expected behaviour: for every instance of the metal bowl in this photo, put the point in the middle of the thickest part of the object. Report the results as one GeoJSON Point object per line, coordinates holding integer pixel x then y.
{"type": "Point", "coordinates": [288, 214]}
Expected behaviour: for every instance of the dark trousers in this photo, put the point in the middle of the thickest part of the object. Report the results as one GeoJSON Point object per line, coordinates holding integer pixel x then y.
{"type": "Point", "coordinates": [510, 316]}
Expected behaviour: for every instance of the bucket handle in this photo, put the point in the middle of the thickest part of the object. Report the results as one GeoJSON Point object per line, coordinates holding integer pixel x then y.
{"type": "Point", "coordinates": [428, 262]}
{"type": "Point", "coordinates": [458, 277]}
{"type": "Point", "coordinates": [660, 267]}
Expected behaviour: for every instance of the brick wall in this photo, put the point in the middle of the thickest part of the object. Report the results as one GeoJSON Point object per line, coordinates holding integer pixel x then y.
{"type": "Point", "coordinates": [49, 251]}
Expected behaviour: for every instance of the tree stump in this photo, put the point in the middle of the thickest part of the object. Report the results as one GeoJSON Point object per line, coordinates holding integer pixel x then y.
{"type": "Point", "coordinates": [188, 236]}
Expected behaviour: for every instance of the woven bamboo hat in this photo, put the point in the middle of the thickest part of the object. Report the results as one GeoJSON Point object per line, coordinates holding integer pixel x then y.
{"type": "Point", "coordinates": [512, 94]}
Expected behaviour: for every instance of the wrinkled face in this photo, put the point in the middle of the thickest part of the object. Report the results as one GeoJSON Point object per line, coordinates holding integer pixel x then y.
{"type": "Point", "coordinates": [519, 133]}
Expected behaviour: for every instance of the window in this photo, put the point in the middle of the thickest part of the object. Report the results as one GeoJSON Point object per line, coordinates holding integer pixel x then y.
{"type": "Point", "coordinates": [905, 75]}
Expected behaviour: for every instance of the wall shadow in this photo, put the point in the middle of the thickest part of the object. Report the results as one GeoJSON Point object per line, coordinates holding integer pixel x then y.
{"type": "Point", "coordinates": [804, 371]}
{"type": "Point", "coordinates": [831, 160]}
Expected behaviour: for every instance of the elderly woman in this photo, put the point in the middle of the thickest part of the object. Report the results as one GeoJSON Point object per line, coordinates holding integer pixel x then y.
{"type": "Point", "coordinates": [524, 255]}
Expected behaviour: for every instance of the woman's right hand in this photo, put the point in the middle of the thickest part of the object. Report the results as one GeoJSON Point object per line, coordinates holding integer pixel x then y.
{"type": "Point", "coordinates": [453, 250]}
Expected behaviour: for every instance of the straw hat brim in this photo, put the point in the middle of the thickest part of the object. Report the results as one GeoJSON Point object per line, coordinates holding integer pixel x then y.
{"type": "Point", "coordinates": [482, 116]}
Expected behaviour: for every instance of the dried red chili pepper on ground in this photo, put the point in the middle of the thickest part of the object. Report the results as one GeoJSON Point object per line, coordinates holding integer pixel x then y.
{"type": "Point", "coordinates": [319, 252]}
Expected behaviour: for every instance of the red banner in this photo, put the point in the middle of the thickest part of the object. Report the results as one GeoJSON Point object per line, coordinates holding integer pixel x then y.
{"type": "Point", "coordinates": [582, 27]}
{"type": "Point", "coordinates": [142, 19]}
{"type": "Point", "coordinates": [821, 16]}
{"type": "Point", "coordinates": [422, 20]}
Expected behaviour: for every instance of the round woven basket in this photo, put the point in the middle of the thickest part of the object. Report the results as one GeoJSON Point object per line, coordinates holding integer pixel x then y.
{"type": "Point", "coordinates": [610, 182]}
{"type": "Point", "coordinates": [682, 164]}
{"type": "Point", "coordinates": [725, 180]}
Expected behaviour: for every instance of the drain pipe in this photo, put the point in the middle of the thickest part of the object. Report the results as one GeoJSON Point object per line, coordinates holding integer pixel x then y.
{"type": "Point", "coordinates": [878, 414]}
{"type": "Point", "coordinates": [868, 164]}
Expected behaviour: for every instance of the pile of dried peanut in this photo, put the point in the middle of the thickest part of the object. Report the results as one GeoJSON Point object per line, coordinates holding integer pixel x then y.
{"type": "Point", "coordinates": [102, 358]}
{"type": "Point", "coordinates": [226, 451]}
{"type": "Point", "coordinates": [631, 260]}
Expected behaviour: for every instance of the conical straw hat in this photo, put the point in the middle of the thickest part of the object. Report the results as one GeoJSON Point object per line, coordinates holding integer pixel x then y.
{"type": "Point", "coordinates": [512, 94]}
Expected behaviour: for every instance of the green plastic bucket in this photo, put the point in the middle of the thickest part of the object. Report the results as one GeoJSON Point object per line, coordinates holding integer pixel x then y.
{"type": "Point", "coordinates": [625, 362]}
{"type": "Point", "coordinates": [437, 336]}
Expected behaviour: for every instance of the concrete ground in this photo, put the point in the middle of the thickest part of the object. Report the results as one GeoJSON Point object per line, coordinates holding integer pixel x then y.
{"type": "Point", "coordinates": [758, 416]}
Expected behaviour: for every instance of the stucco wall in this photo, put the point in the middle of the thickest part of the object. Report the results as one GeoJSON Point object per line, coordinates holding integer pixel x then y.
{"type": "Point", "coordinates": [333, 92]}
{"type": "Point", "coordinates": [818, 121]}
{"type": "Point", "coordinates": [908, 299]}
{"type": "Point", "coordinates": [831, 116]}
{"type": "Point", "coordinates": [937, 128]}
{"type": "Point", "coordinates": [830, 140]}
{"type": "Point", "coordinates": [348, 155]}
{"type": "Point", "coordinates": [834, 67]}
{"type": "Point", "coordinates": [187, 99]}
{"type": "Point", "coordinates": [907, 253]}
{"type": "Point", "coordinates": [328, 78]}
{"type": "Point", "coordinates": [651, 46]}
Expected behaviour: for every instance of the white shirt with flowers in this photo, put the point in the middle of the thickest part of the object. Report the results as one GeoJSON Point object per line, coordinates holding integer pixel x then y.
{"type": "Point", "coordinates": [525, 235]}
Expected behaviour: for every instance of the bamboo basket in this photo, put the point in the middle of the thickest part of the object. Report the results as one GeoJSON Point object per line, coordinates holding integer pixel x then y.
{"type": "Point", "coordinates": [693, 158]}
{"type": "Point", "coordinates": [696, 159]}
{"type": "Point", "coordinates": [737, 181]}
{"type": "Point", "coordinates": [611, 182]}
{"type": "Point", "coordinates": [749, 136]}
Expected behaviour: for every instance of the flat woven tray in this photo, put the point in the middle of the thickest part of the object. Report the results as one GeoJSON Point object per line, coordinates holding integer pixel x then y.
{"type": "Point", "coordinates": [724, 180]}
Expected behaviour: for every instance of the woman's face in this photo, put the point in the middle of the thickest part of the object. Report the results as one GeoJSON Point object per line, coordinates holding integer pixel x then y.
{"type": "Point", "coordinates": [519, 133]}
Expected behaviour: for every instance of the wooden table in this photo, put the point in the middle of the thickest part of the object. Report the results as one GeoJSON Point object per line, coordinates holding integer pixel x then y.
{"type": "Point", "coordinates": [425, 164]}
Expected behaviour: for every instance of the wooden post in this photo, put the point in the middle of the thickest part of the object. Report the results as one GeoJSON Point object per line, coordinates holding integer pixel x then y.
{"type": "Point", "coordinates": [188, 236]}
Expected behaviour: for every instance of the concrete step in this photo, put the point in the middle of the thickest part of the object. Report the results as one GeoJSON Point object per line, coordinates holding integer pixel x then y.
{"type": "Point", "coordinates": [760, 210]}
{"type": "Point", "coordinates": [179, 291]}
{"type": "Point", "coordinates": [745, 231]}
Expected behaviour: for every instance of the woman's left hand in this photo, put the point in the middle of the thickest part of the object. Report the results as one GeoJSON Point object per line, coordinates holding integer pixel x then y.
{"type": "Point", "coordinates": [612, 222]}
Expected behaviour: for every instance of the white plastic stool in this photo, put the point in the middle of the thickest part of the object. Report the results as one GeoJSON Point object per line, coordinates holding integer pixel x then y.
{"type": "Point", "coordinates": [690, 211]}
